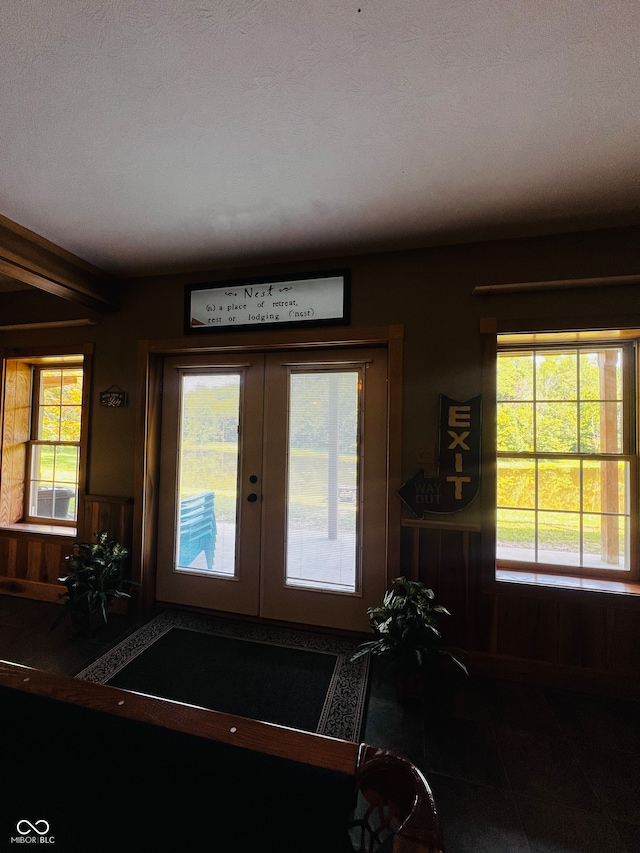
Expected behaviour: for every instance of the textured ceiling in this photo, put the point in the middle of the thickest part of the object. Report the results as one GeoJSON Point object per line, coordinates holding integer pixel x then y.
{"type": "Point", "coordinates": [161, 135]}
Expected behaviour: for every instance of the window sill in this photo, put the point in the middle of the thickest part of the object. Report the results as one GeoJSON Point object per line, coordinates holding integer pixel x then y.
{"type": "Point", "coordinates": [43, 529]}
{"type": "Point", "coordinates": [529, 578]}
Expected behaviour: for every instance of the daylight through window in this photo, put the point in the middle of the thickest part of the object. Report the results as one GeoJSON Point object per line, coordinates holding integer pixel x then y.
{"type": "Point", "coordinates": [54, 448]}
{"type": "Point", "coordinates": [43, 441]}
{"type": "Point", "coordinates": [566, 458]}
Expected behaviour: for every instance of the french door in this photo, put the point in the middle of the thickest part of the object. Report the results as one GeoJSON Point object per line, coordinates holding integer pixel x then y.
{"type": "Point", "coordinates": [273, 485]}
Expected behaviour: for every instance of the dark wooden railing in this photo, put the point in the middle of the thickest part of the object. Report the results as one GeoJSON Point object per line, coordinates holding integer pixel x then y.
{"type": "Point", "coordinates": [118, 769]}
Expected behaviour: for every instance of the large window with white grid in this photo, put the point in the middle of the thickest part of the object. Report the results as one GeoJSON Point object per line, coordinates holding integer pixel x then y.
{"type": "Point", "coordinates": [567, 495]}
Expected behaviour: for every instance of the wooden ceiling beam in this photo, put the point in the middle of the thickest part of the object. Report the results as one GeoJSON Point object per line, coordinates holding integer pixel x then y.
{"type": "Point", "coordinates": [30, 259]}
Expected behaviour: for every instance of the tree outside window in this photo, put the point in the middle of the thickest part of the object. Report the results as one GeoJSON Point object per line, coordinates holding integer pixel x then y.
{"type": "Point", "coordinates": [54, 448]}
{"type": "Point", "coordinates": [564, 458]}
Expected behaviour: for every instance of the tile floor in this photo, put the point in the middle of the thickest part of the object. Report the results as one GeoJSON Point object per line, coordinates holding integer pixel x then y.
{"type": "Point", "coordinates": [514, 768]}
{"type": "Point", "coordinates": [517, 768]}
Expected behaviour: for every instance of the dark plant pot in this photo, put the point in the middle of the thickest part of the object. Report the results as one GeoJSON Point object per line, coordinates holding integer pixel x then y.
{"type": "Point", "coordinates": [85, 624]}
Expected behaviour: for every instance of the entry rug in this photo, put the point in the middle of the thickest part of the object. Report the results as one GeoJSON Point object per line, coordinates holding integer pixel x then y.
{"type": "Point", "coordinates": [279, 675]}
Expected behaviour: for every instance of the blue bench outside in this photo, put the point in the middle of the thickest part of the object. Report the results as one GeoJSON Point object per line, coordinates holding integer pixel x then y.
{"type": "Point", "coordinates": [197, 528]}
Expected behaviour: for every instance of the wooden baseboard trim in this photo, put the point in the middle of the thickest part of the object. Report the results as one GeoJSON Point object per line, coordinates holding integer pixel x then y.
{"type": "Point", "coordinates": [47, 592]}
{"type": "Point", "coordinates": [30, 589]}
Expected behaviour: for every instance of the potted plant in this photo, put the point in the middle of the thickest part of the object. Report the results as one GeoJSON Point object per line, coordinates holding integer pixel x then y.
{"type": "Point", "coordinates": [407, 632]}
{"type": "Point", "coordinates": [95, 577]}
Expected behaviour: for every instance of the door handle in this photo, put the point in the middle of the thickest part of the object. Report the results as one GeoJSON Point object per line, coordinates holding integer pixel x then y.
{"type": "Point", "coordinates": [252, 498]}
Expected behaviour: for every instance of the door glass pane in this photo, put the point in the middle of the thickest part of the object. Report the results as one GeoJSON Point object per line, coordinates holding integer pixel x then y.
{"type": "Point", "coordinates": [208, 473]}
{"type": "Point", "coordinates": [323, 494]}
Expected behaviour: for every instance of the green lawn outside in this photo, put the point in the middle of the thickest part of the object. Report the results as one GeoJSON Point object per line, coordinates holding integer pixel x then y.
{"type": "Point", "coordinates": [561, 488]}
{"type": "Point", "coordinates": [212, 467]}
{"type": "Point", "coordinates": [515, 530]}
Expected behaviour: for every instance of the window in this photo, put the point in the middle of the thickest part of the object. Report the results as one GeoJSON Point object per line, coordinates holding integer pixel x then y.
{"type": "Point", "coordinates": [42, 441]}
{"type": "Point", "coordinates": [54, 448]}
{"type": "Point", "coordinates": [567, 497]}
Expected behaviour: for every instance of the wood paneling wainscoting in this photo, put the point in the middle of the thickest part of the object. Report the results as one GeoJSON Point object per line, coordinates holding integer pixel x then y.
{"type": "Point", "coordinates": [445, 556]}
{"type": "Point", "coordinates": [108, 513]}
{"type": "Point", "coordinates": [30, 562]}
{"type": "Point", "coordinates": [574, 638]}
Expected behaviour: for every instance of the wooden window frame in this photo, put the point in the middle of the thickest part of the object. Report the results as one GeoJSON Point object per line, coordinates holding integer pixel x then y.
{"type": "Point", "coordinates": [501, 334]}
{"type": "Point", "coordinates": [628, 453]}
{"type": "Point", "coordinates": [16, 411]}
{"type": "Point", "coordinates": [34, 440]}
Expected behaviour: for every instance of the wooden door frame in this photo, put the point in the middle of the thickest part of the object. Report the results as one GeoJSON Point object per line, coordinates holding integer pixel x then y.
{"type": "Point", "coordinates": [151, 355]}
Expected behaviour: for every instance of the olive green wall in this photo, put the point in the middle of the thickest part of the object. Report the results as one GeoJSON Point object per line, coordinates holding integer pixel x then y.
{"type": "Point", "coordinates": [429, 292]}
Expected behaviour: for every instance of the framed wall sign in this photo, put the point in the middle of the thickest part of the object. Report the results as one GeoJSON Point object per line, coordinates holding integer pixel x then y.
{"type": "Point", "coordinates": [113, 397]}
{"type": "Point", "coordinates": [313, 299]}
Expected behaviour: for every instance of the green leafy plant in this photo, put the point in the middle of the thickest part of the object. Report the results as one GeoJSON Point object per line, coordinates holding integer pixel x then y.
{"type": "Point", "coordinates": [406, 626]}
{"type": "Point", "coordinates": [95, 576]}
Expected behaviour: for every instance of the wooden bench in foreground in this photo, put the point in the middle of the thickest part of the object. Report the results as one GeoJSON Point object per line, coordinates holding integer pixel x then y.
{"type": "Point", "coordinates": [88, 768]}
